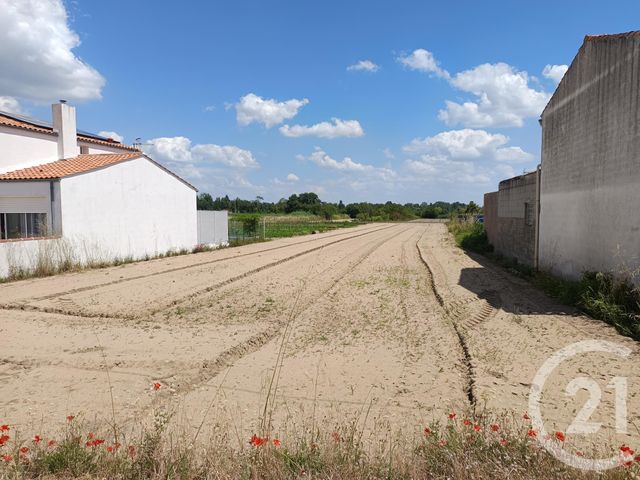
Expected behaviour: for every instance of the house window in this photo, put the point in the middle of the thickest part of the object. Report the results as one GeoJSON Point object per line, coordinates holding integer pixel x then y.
{"type": "Point", "coordinates": [528, 214]}
{"type": "Point", "coordinates": [22, 225]}
{"type": "Point", "coordinates": [84, 150]}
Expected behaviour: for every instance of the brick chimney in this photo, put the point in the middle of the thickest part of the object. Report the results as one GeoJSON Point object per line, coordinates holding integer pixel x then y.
{"type": "Point", "coordinates": [64, 122]}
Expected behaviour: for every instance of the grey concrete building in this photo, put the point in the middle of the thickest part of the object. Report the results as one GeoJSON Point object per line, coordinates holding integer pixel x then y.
{"type": "Point", "coordinates": [510, 219]}
{"type": "Point", "coordinates": [590, 185]}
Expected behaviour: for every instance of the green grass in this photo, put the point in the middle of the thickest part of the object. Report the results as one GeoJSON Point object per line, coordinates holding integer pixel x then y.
{"type": "Point", "coordinates": [470, 236]}
{"type": "Point", "coordinates": [247, 226]}
{"type": "Point", "coordinates": [603, 296]}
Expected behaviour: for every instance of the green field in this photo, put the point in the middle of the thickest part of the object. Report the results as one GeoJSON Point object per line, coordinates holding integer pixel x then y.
{"type": "Point", "coordinates": [243, 227]}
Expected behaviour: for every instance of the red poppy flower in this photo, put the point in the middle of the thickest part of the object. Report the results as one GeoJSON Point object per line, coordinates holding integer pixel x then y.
{"type": "Point", "coordinates": [90, 436]}
{"type": "Point", "coordinates": [131, 451]}
{"type": "Point", "coordinates": [4, 439]}
{"type": "Point", "coordinates": [427, 431]}
{"type": "Point", "coordinates": [70, 418]}
{"type": "Point", "coordinates": [51, 443]}
{"type": "Point", "coordinates": [276, 442]}
{"type": "Point", "coordinates": [477, 427]}
{"type": "Point", "coordinates": [532, 433]}
{"type": "Point", "coordinates": [7, 458]}
{"type": "Point", "coordinates": [157, 386]}
{"type": "Point", "coordinates": [503, 442]}
{"type": "Point", "coordinates": [258, 441]}
{"type": "Point", "coordinates": [442, 443]}
{"type": "Point", "coordinates": [626, 450]}
{"type": "Point", "coordinates": [37, 439]}
{"type": "Point", "coordinates": [110, 449]}
{"type": "Point", "coordinates": [336, 437]}
{"type": "Point", "coordinates": [452, 415]}
{"type": "Point", "coordinates": [580, 454]}
{"type": "Point", "coordinates": [560, 436]}
{"type": "Point", "coordinates": [495, 427]}
{"type": "Point", "coordinates": [94, 443]}
{"type": "Point", "coordinates": [24, 449]}
{"type": "Point", "coordinates": [4, 428]}
{"type": "Point", "coordinates": [526, 416]}
{"type": "Point", "coordinates": [466, 422]}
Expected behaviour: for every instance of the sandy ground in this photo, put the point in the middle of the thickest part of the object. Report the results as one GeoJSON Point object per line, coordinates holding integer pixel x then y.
{"type": "Point", "coordinates": [387, 325]}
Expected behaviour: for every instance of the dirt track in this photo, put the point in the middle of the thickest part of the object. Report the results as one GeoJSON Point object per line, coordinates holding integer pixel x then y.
{"type": "Point", "coordinates": [389, 324]}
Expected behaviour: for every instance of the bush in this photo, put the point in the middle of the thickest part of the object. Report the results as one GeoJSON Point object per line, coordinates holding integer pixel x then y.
{"type": "Point", "coordinates": [615, 301]}
{"type": "Point", "coordinates": [470, 236]}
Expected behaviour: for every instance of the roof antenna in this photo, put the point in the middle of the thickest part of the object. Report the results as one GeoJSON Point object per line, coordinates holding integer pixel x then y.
{"type": "Point", "coordinates": [63, 101]}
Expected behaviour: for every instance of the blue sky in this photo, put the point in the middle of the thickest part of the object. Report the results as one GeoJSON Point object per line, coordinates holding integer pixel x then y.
{"type": "Point", "coordinates": [257, 98]}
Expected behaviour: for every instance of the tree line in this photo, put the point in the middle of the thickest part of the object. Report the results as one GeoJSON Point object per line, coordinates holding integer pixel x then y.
{"type": "Point", "coordinates": [310, 203]}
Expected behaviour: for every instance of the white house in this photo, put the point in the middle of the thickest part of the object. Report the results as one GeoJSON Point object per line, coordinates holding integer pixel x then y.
{"type": "Point", "coordinates": [100, 198]}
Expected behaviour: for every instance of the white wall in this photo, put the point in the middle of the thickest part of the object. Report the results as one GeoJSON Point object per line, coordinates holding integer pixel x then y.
{"type": "Point", "coordinates": [132, 208]}
{"type": "Point", "coordinates": [95, 148]}
{"type": "Point", "coordinates": [590, 187]}
{"type": "Point", "coordinates": [28, 254]}
{"type": "Point", "coordinates": [213, 227]}
{"type": "Point", "coordinates": [22, 148]}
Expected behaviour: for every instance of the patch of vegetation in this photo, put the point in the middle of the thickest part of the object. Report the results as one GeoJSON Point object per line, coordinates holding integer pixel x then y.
{"type": "Point", "coordinates": [465, 447]}
{"type": "Point", "coordinates": [470, 235]}
{"type": "Point", "coordinates": [603, 296]}
{"type": "Point", "coordinates": [308, 203]}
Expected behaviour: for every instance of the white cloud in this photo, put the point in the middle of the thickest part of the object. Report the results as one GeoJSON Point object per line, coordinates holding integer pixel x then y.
{"type": "Point", "coordinates": [292, 177]}
{"type": "Point", "coordinates": [190, 160]}
{"type": "Point", "coordinates": [363, 65]}
{"type": "Point", "coordinates": [555, 72]}
{"type": "Point", "coordinates": [441, 169]}
{"type": "Point", "coordinates": [504, 98]}
{"type": "Point", "coordinates": [389, 154]}
{"type": "Point", "coordinates": [37, 56]}
{"type": "Point", "coordinates": [463, 157]}
{"type": "Point", "coordinates": [252, 108]}
{"type": "Point", "coordinates": [339, 128]}
{"type": "Point", "coordinates": [423, 61]}
{"type": "Point", "coordinates": [10, 105]}
{"type": "Point", "coordinates": [209, 108]}
{"type": "Point", "coordinates": [468, 144]}
{"type": "Point", "coordinates": [322, 159]}
{"type": "Point", "coordinates": [113, 135]}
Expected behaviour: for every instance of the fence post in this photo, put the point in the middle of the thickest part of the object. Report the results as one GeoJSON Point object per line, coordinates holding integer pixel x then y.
{"type": "Point", "coordinates": [264, 228]}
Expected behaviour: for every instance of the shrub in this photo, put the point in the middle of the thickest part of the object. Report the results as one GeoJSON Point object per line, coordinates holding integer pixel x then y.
{"type": "Point", "coordinates": [470, 236]}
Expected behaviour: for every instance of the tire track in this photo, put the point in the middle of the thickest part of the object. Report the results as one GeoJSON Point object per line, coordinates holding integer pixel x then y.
{"type": "Point", "coordinates": [187, 267]}
{"type": "Point", "coordinates": [196, 305]}
{"type": "Point", "coordinates": [213, 367]}
{"type": "Point", "coordinates": [85, 314]}
{"type": "Point", "coordinates": [466, 358]}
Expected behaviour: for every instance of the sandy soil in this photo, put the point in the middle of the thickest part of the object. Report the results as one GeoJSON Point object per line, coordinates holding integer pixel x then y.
{"type": "Point", "coordinates": [388, 325]}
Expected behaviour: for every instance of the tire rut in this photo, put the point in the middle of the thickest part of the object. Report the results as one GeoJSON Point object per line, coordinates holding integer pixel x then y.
{"type": "Point", "coordinates": [232, 355]}
{"type": "Point", "coordinates": [455, 320]}
{"type": "Point", "coordinates": [85, 314]}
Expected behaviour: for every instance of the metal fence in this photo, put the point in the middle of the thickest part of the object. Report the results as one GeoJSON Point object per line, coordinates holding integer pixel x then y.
{"type": "Point", "coordinates": [261, 228]}
{"type": "Point", "coordinates": [213, 228]}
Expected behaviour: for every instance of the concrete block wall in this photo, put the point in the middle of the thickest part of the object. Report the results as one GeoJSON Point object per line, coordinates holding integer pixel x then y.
{"type": "Point", "coordinates": [590, 188]}
{"type": "Point", "coordinates": [504, 218]}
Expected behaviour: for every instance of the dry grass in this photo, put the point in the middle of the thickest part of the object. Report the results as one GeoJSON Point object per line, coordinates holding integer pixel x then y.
{"type": "Point", "coordinates": [475, 449]}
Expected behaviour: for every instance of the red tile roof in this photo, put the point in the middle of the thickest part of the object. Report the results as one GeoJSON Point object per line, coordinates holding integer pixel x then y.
{"type": "Point", "coordinates": [9, 121]}
{"type": "Point", "coordinates": [70, 166]}
{"type": "Point", "coordinates": [80, 164]}
{"type": "Point", "coordinates": [12, 122]}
